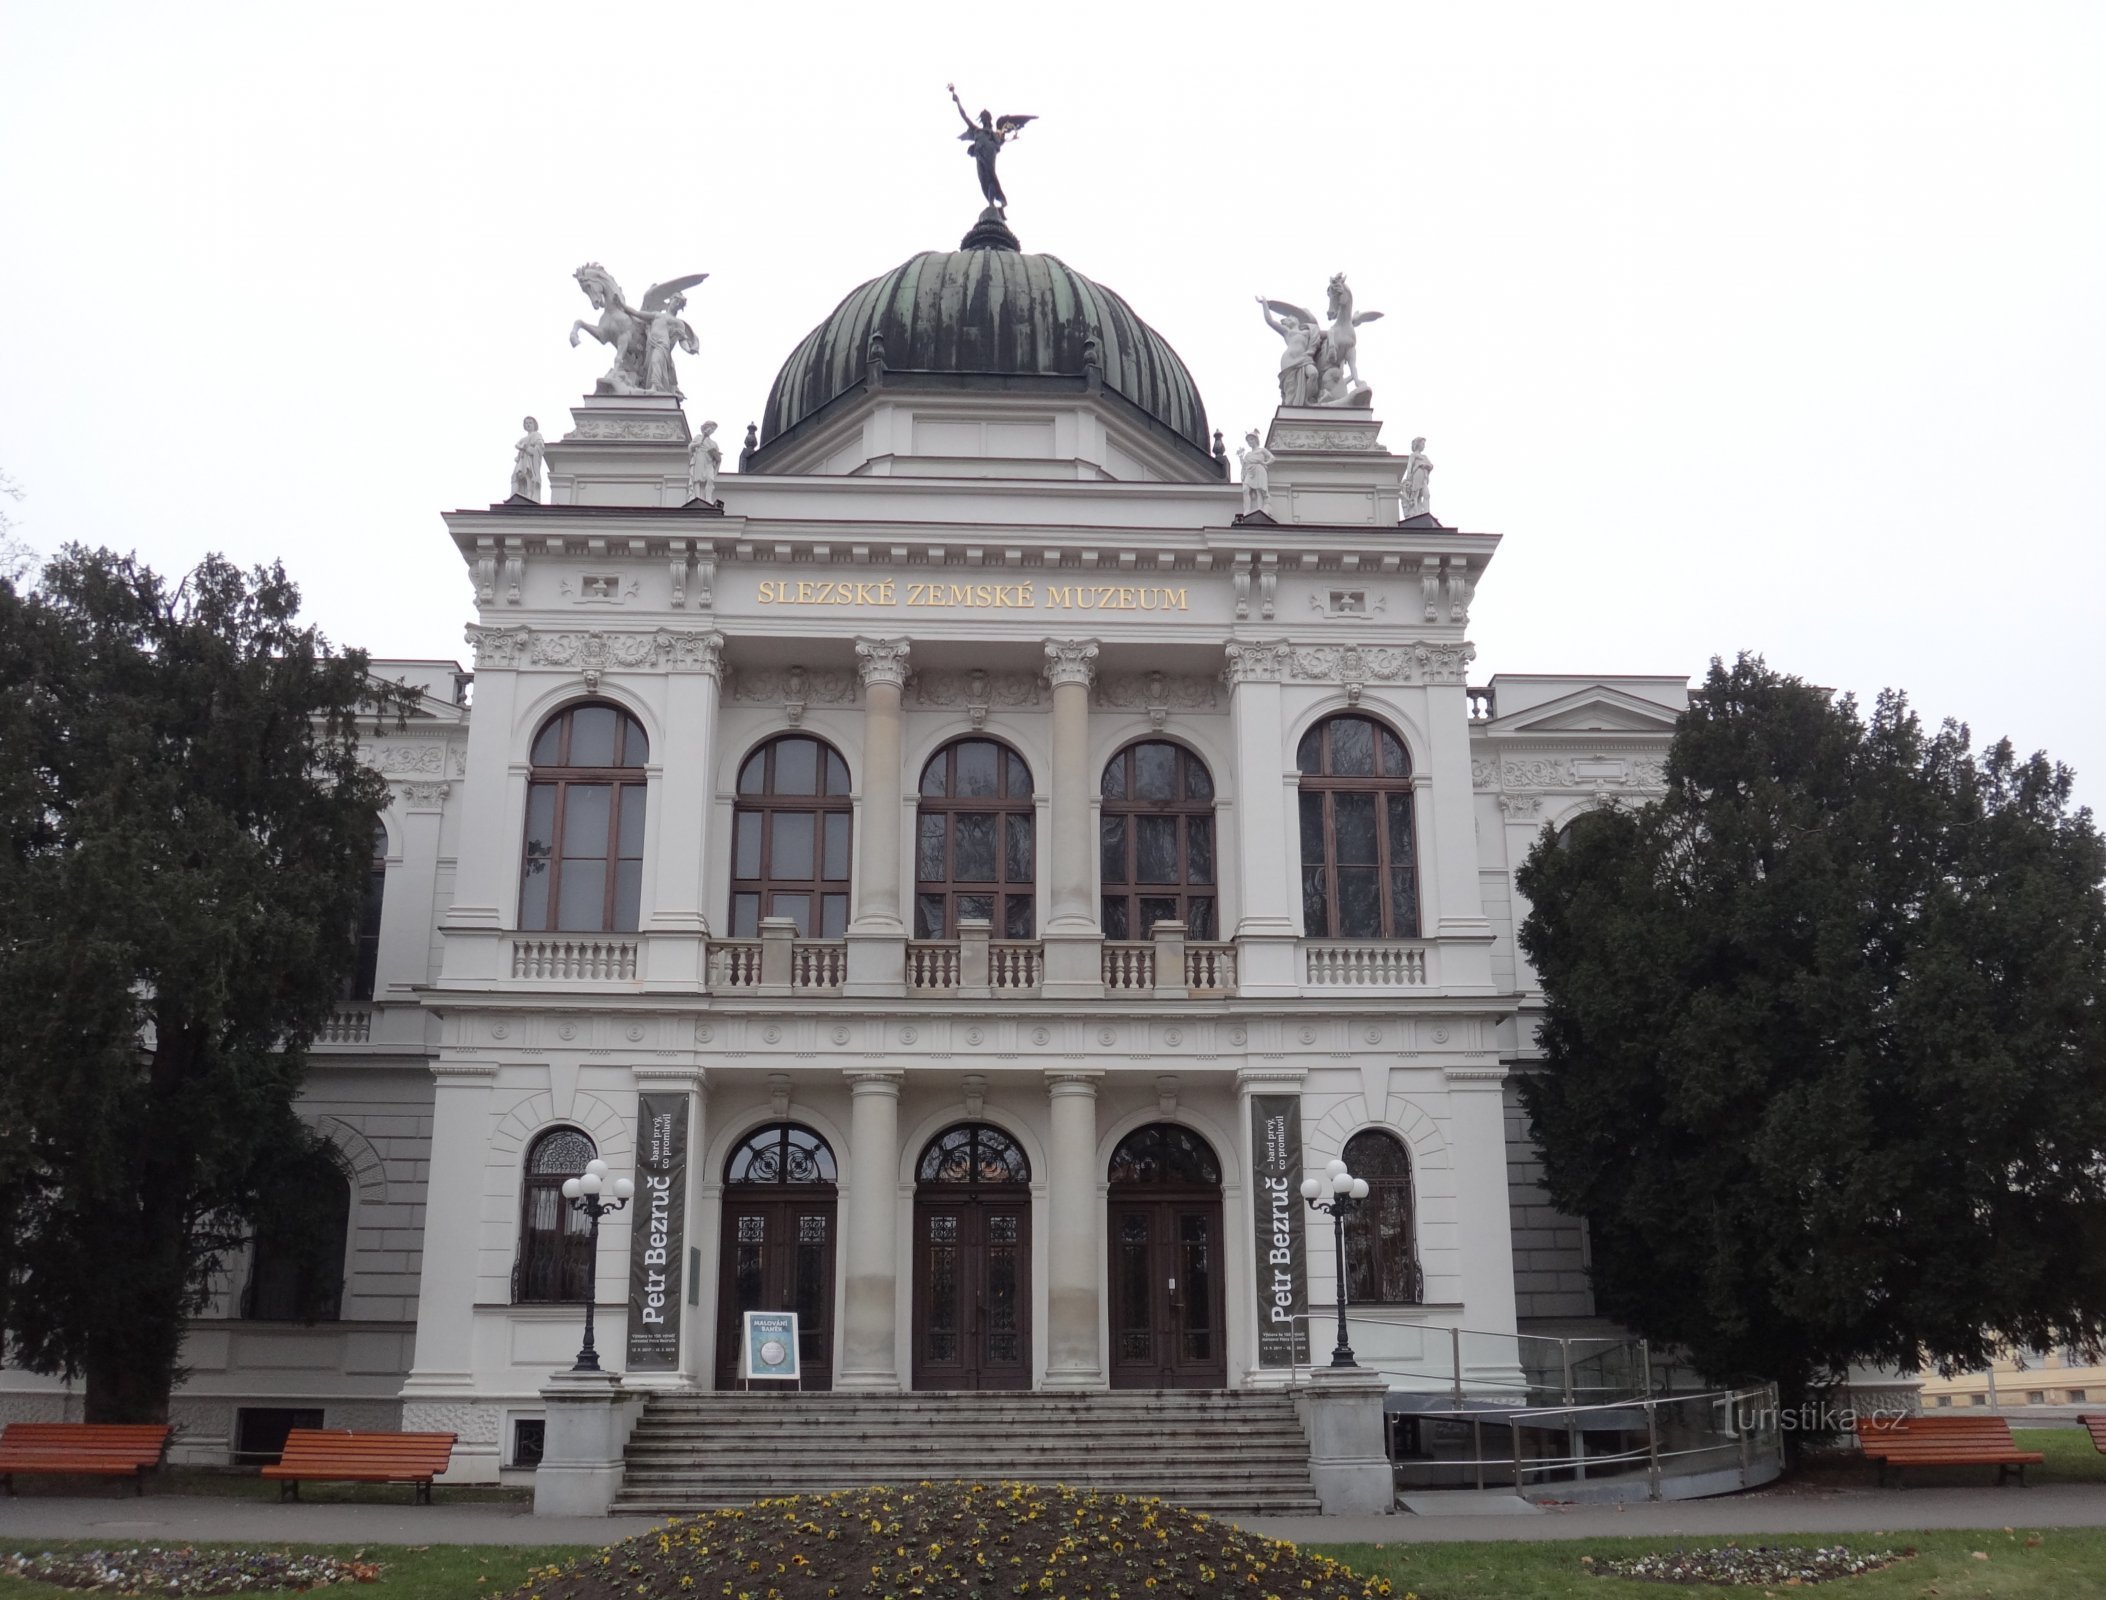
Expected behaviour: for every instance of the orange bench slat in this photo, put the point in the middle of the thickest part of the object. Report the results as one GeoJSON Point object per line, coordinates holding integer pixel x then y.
{"type": "Point", "coordinates": [362, 1457]}
{"type": "Point", "coordinates": [88, 1448]}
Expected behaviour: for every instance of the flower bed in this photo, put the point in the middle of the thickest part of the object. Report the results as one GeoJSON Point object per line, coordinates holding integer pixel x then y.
{"type": "Point", "coordinates": [940, 1540]}
{"type": "Point", "coordinates": [184, 1570]}
{"type": "Point", "coordinates": [1735, 1565]}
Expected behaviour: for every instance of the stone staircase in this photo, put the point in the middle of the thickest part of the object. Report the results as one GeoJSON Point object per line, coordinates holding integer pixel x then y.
{"type": "Point", "coordinates": [1232, 1452]}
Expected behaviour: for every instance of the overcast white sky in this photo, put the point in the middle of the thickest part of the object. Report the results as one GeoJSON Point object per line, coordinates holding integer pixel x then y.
{"type": "Point", "coordinates": [1750, 326]}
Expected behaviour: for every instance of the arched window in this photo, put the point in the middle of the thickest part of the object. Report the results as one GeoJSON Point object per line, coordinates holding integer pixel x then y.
{"type": "Point", "coordinates": [297, 1271]}
{"type": "Point", "coordinates": [1382, 1251]}
{"type": "Point", "coordinates": [583, 866]}
{"type": "Point", "coordinates": [1359, 866]}
{"type": "Point", "coordinates": [1168, 1155]}
{"type": "Point", "coordinates": [782, 1152]}
{"type": "Point", "coordinates": [972, 843]}
{"type": "Point", "coordinates": [789, 839]}
{"type": "Point", "coordinates": [973, 1152]}
{"type": "Point", "coordinates": [359, 986]}
{"type": "Point", "coordinates": [555, 1240]}
{"type": "Point", "coordinates": [1156, 840]}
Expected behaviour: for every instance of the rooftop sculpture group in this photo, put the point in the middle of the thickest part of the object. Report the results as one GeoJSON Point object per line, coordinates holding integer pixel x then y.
{"type": "Point", "coordinates": [643, 338]}
{"type": "Point", "coordinates": [1320, 366]}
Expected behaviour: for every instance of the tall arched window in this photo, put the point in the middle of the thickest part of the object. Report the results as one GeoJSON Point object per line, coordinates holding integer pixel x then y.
{"type": "Point", "coordinates": [554, 1239]}
{"type": "Point", "coordinates": [1382, 1251]}
{"type": "Point", "coordinates": [583, 865]}
{"type": "Point", "coordinates": [789, 839]}
{"type": "Point", "coordinates": [1156, 839]}
{"type": "Point", "coordinates": [973, 852]}
{"type": "Point", "coordinates": [359, 986]}
{"type": "Point", "coordinates": [1359, 867]}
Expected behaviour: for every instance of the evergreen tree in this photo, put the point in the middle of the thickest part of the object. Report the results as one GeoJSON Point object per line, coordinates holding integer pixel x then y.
{"type": "Point", "coordinates": [1825, 1044]}
{"type": "Point", "coordinates": [189, 831]}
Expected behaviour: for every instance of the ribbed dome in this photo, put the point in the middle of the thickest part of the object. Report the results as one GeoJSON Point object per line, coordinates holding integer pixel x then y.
{"type": "Point", "coordinates": [989, 313]}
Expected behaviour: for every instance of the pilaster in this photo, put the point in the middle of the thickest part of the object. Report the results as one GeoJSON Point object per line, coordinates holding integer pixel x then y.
{"type": "Point", "coordinates": [1268, 848]}
{"type": "Point", "coordinates": [877, 949]}
{"type": "Point", "coordinates": [485, 886]}
{"type": "Point", "coordinates": [1073, 939]}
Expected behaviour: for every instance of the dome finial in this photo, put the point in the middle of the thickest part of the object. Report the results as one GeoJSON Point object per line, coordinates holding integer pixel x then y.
{"type": "Point", "coordinates": [984, 140]}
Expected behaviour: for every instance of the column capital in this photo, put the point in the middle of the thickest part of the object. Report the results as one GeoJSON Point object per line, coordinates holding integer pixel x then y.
{"type": "Point", "coordinates": [882, 661]}
{"type": "Point", "coordinates": [874, 1080]}
{"type": "Point", "coordinates": [1073, 1081]}
{"type": "Point", "coordinates": [1071, 661]}
{"type": "Point", "coordinates": [1257, 661]}
{"type": "Point", "coordinates": [688, 651]}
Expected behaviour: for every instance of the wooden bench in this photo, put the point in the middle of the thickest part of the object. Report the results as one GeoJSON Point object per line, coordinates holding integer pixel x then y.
{"type": "Point", "coordinates": [337, 1455]}
{"type": "Point", "coordinates": [1936, 1439]}
{"type": "Point", "coordinates": [91, 1449]}
{"type": "Point", "coordinates": [2096, 1427]}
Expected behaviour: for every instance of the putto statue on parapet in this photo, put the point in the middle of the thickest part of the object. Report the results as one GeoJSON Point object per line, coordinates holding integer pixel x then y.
{"type": "Point", "coordinates": [1320, 366]}
{"type": "Point", "coordinates": [643, 338]}
{"type": "Point", "coordinates": [985, 139]}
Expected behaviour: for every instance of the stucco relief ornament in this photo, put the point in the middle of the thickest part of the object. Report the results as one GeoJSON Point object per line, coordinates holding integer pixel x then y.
{"type": "Point", "coordinates": [1320, 366]}
{"type": "Point", "coordinates": [642, 337]}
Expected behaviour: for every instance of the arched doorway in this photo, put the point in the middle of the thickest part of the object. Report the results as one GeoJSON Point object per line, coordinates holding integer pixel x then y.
{"type": "Point", "coordinates": [972, 1261]}
{"type": "Point", "coordinates": [777, 1251]}
{"type": "Point", "coordinates": [1168, 1322]}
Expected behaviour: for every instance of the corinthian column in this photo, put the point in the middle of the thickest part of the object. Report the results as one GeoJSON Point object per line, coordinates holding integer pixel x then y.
{"type": "Point", "coordinates": [1074, 1359]}
{"type": "Point", "coordinates": [877, 951]}
{"type": "Point", "coordinates": [1073, 938]}
{"type": "Point", "coordinates": [870, 1302]}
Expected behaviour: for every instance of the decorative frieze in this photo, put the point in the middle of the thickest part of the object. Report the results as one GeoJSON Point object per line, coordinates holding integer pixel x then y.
{"type": "Point", "coordinates": [1156, 693]}
{"type": "Point", "coordinates": [1352, 665]}
{"type": "Point", "coordinates": [630, 430]}
{"type": "Point", "coordinates": [1285, 438]}
{"type": "Point", "coordinates": [792, 688]}
{"type": "Point", "coordinates": [596, 651]}
{"type": "Point", "coordinates": [977, 690]}
{"type": "Point", "coordinates": [395, 758]}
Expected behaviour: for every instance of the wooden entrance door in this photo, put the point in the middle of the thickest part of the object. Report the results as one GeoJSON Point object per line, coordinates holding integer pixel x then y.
{"type": "Point", "coordinates": [972, 1288]}
{"type": "Point", "coordinates": [1167, 1303]}
{"type": "Point", "coordinates": [778, 1255]}
{"type": "Point", "coordinates": [972, 1261]}
{"type": "Point", "coordinates": [1168, 1309]}
{"type": "Point", "coordinates": [778, 1245]}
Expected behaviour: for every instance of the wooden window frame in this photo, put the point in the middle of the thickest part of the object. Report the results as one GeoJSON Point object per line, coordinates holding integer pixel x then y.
{"type": "Point", "coordinates": [1125, 806]}
{"type": "Point", "coordinates": [1004, 806]}
{"type": "Point", "coordinates": [767, 805]}
{"type": "Point", "coordinates": [1328, 786]}
{"type": "Point", "coordinates": [562, 778]}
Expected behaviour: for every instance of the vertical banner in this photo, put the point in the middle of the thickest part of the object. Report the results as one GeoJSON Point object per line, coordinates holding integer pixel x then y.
{"type": "Point", "coordinates": [655, 1231]}
{"type": "Point", "coordinates": [1282, 1279]}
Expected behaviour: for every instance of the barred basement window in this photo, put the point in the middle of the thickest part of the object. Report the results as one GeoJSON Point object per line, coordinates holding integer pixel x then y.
{"type": "Point", "coordinates": [1382, 1253]}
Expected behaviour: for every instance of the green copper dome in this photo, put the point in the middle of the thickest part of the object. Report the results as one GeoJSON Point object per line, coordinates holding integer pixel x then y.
{"type": "Point", "coordinates": [995, 319]}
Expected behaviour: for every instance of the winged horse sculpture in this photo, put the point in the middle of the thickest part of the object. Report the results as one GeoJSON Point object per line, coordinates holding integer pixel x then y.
{"type": "Point", "coordinates": [1320, 366]}
{"type": "Point", "coordinates": [642, 337]}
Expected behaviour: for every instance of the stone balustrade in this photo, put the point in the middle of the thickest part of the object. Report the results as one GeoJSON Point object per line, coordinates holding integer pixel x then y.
{"type": "Point", "coordinates": [575, 959]}
{"type": "Point", "coordinates": [1364, 964]}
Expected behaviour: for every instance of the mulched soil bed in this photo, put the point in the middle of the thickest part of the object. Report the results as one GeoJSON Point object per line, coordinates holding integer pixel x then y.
{"type": "Point", "coordinates": [935, 1541]}
{"type": "Point", "coordinates": [182, 1570]}
{"type": "Point", "coordinates": [1734, 1566]}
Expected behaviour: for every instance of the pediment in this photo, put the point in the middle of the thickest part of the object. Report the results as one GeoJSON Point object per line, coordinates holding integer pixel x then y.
{"type": "Point", "coordinates": [1598, 709]}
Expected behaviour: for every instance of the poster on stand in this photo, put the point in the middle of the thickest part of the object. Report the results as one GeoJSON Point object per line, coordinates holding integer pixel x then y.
{"type": "Point", "coordinates": [768, 1345]}
{"type": "Point", "coordinates": [1282, 1279]}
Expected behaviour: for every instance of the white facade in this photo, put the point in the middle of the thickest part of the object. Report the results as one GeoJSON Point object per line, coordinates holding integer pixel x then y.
{"type": "Point", "coordinates": [927, 565]}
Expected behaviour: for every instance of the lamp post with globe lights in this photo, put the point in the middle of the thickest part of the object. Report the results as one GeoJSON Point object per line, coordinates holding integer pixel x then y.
{"type": "Point", "coordinates": [584, 1192]}
{"type": "Point", "coordinates": [1346, 1192]}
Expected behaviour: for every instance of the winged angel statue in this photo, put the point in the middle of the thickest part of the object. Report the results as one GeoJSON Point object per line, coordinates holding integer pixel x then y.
{"type": "Point", "coordinates": [1320, 366]}
{"type": "Point", "coordinates": [985, 139]}
{"type": "Point", "coordinates": [643, 338]}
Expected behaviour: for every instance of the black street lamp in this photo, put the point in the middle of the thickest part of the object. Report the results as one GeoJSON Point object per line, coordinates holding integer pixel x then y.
{"type": "Point", "coordinates": [583, 1193]}
{"type": "Point", "coordinates": [1346, 1193]}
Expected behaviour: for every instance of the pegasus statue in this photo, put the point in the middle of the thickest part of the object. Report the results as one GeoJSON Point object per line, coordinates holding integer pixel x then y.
{"type": "Point", "coordinates": [643, 337]}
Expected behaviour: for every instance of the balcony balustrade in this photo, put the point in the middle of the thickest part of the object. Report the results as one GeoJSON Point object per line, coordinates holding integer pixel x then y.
{"type": "Point", "coordinates": [554, 958]}
{"type": "Point", "coordinates": [778, 962]}
{"type": "Point", "coordinates": [351, 1025]}
{"type": "Point", "coordinates": [1364, 964]}
{"type": "Point", "coordinates": [975, 965]}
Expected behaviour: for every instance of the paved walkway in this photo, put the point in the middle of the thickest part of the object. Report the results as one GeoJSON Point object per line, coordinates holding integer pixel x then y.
{"type": "Point", "coordinates": [195, 1517]}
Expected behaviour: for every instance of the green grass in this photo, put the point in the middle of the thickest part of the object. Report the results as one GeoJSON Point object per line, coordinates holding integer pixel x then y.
{"type": "Point", "coordinates": [408, 1572]}
{"type": "Point", "coordinates": [2070, 1459]}
{"type": "Point", "coordinates": [2062, 1564]}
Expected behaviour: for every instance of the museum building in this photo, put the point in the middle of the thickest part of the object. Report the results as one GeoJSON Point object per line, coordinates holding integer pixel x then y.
{"type": "Point", "coordinates": [965, 869]}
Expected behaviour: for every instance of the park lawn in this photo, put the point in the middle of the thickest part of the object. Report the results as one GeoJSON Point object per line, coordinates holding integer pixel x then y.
{"type": "Point", "coordinates": [407, 1572]}
{"type": "Point", "coordinates": [2062, 1563]}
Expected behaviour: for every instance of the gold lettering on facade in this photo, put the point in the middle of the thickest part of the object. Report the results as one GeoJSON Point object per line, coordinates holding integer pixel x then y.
{"type": "Point", "coordinates": [1025, 596]}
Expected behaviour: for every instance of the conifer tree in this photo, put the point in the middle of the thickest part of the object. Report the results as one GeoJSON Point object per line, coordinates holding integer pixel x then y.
{"type": "Point", "coordinates": [189, 831]}
{"type": "Point", "coordinates": [1826, 1041]}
